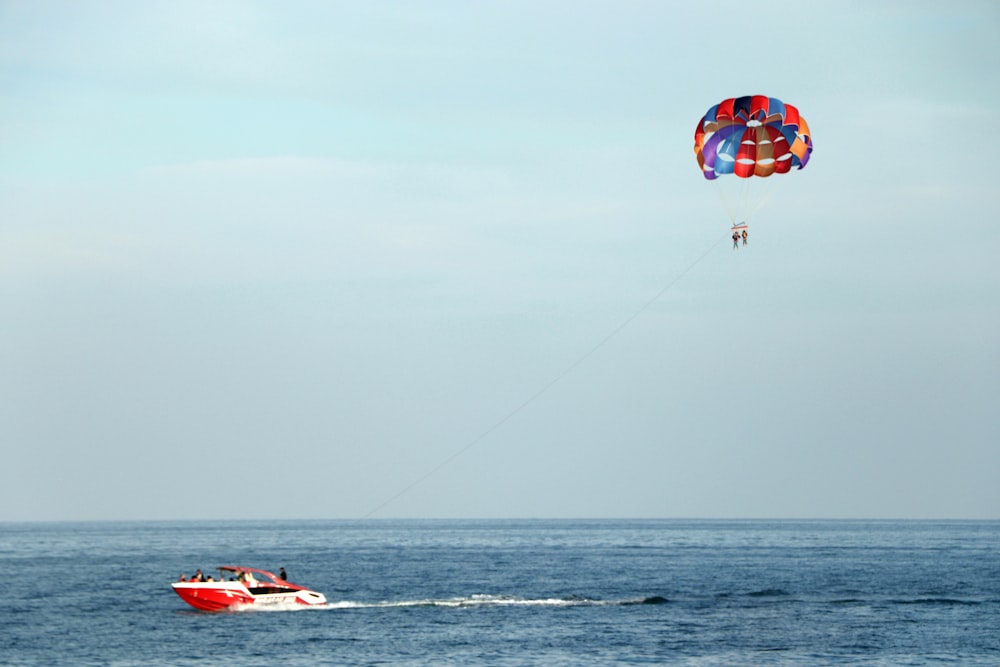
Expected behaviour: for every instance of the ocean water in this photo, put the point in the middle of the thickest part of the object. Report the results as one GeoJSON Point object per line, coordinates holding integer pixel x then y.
{"type": "Point", "coordinates": [615, 592]}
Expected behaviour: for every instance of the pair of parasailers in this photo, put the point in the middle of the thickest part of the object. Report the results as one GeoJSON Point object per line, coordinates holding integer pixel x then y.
{"type": "Point", "coordinates": [737, 236]}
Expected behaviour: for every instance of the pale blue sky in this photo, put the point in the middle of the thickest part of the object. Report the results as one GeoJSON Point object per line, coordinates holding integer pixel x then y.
{"type": "Point", "coordinates": [272, 259]}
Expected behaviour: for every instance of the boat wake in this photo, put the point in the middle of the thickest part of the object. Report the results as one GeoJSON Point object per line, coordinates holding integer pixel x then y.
{"type": "Point", "coordinates": [474, 601]}
{"type": "Point", "coordinates": [471, 601]}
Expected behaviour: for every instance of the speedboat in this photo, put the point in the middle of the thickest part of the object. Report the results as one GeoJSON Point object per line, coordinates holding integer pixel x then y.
{"type": "Point", "coordinates": [241, 587]}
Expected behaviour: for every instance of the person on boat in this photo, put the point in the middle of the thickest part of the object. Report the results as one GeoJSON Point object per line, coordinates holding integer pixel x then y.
{"type": "Point", "coordinates": [198, 576]}
{"type": "Point", "coordinates": [282, 575]}
{"type": "Point", "coordinates": [183, 577]}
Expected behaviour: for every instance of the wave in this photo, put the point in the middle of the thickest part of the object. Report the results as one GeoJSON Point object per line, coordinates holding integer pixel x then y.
{"type": "Point", "coordinates": [768, 593]}
{"type": "Point", "coordinates": [939, 601]}
{"type": "Point", "coordinates": [655, 599]}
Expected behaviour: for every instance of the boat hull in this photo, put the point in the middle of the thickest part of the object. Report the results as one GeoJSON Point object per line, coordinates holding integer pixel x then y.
{"type": "Point", "coordinates": [223, 595]}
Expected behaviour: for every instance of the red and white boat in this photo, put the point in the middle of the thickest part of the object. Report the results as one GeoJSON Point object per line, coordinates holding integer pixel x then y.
{"type": "Point", "coordinates": [242, 587]}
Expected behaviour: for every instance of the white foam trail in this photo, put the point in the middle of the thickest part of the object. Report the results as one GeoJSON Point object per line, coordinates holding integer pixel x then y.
{"type": "Point", "coordinates": [475, 601]}
{"type": "Point", "coordinates": [471, 601]}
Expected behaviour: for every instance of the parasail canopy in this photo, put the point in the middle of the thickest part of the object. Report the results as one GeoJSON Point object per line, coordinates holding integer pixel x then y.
{"type": "Point", "coordinates": [749, 136]}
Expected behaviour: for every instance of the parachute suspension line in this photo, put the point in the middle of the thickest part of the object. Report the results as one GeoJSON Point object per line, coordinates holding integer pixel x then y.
{"type": "Point", "coordinates": [732, 207]}
{"type": "Point", "coordinates": [739, 197]}
{"type": "Point", "coordinates": [745, 207]}
{"type": "Point", "coordinates": [548, 385]}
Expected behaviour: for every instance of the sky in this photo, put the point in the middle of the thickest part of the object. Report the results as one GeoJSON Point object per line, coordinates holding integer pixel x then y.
{"type": "Point", "coordinates": [456, 259]}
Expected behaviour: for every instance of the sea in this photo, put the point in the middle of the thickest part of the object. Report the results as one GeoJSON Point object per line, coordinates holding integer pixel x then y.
{"type": "Point", "coordinates": [511, 592]}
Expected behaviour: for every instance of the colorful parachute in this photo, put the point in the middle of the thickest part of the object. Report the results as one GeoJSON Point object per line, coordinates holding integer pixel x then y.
{"type": "Point", "coordinates": [751, 136]}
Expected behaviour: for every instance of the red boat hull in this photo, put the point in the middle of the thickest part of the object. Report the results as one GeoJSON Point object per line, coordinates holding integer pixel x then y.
{"type": "Point", "coordinates": [252, 588]}
{"type": "Point", "coordinates": [212, 596]}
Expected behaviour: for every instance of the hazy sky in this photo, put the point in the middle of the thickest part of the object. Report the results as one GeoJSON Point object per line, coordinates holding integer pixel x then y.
{"type": "Point", "coordinates": [283, 259]}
